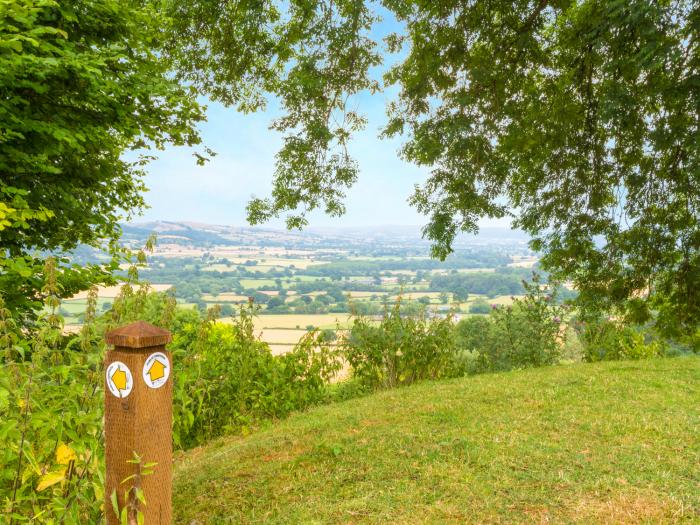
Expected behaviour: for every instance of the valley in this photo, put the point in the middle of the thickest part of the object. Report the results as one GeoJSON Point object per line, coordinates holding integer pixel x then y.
{"type": "Point", "coordinates": [299, 281]}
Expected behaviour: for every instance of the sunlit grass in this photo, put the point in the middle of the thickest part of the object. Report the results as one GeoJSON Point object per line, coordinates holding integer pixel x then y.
{"type": "Point", "coordinates": [604, 443]}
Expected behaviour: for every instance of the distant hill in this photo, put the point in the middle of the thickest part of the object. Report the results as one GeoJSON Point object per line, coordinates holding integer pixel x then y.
{"type": "Point", "coordinates": [385, 235]}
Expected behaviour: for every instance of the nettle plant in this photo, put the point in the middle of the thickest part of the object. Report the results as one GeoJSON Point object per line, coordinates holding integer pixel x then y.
{"type": "Point", "coordinates": [51, 404]}
{"type": "Point", "coordinates": [51, 443]}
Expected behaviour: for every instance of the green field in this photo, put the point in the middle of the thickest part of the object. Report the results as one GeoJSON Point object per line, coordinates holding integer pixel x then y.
{"type": "Point", "coordinates": [258, 283]}
{"type": "Point", "coordinates": [604, 443]}
{"type": "Point", "coordinates": [75, 307]}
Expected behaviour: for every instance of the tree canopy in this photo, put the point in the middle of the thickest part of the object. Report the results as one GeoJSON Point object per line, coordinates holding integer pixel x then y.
{"type": "Point", "coordinates": [81, 83]}
{"type": "Point", "coordinates": [578, 119]}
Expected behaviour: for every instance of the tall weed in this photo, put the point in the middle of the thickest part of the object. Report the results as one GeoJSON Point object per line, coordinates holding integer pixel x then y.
{"type": "Point", "coordinates": [51, 441]}
{"type": "Point", "coordinates": [228, 380]}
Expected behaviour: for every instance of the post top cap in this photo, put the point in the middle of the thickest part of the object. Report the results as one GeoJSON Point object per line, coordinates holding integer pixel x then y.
{"type": "Point", "coordinates": [138, 335]}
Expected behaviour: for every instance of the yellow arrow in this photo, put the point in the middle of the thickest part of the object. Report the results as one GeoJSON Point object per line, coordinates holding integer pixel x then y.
{"type": "Point", "coordinates": [157, 370]}
{"type": "Point", "coordinates": [119, 379]}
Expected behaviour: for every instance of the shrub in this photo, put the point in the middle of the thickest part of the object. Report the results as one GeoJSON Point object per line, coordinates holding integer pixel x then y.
{"type": "Point", "coordinates": [521, 337]}
{"type": "Point", "coordinates": [607, 340]}
{"type": "Point", "coordinates": [526, 334]}
{"type": "Point", "coordinates": [479, 306]}
{"type": "Point", "coordinates": [471, 338]}
{"type": "Point", "coordinates": [472, 333]}
{"type": "Point", "coordinates": [228, 379]}
{"type": "Point", "coordinates": [401, 349]}
{"type": "Point", "coordinates": [572, 348]}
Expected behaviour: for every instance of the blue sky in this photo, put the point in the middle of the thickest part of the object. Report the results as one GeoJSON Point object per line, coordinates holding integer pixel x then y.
{"type": "Point", "coordinates": [244, 166]}
{"type": "Point", "coordinates": [218, 192]}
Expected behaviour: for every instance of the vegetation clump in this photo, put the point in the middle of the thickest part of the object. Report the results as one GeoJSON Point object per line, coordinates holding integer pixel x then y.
{"type": "Point", "coordinates": [400, 349]}
{"type": "Point", "coordinates": [51, 406]}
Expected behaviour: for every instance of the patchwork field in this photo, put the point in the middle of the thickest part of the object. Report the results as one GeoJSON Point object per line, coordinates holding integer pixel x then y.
{"type": "Point", "coordinates": [113, 291]}
{"type": "Point", "coordinates": [225, 297]}
{"type": "Point", "coordinates": [300, 321]}
{"type": "Point", "coordinates": [349, 280]}
{"type": "Point", "coordinates": [364, 295]}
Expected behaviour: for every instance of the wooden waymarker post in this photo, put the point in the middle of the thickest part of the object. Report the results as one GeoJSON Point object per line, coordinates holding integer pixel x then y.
{"type": "Point", "coordinates": [138, 418]}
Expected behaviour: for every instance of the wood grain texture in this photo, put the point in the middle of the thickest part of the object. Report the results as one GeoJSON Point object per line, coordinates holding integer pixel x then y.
{"type": "Point", "coordinates": [141, 423]}
{"type": "Point", "coordinates": [138, 335]}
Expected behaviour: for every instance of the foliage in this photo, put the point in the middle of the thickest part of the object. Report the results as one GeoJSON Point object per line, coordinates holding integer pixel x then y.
{"type": "Point", "coordinates": [484, 258]}
{"type": "Point", "coordinates": [572, 348]}
{"type": "Point", "coordinates": [228, 380]}
{"type": "Point", "coordinates": [401, 349]}
{"type": "Point", "coordinates": [578, 119]}
{"type": "Point", "coordinates": [81, 84]}
{"type": "Point", "coordinates": [608, 340]}
{"type": "Point", "coordinates": [405, 346]}
{"type": "Point", "coordinates": [527, 333]}
{"type": "Point", "coordinates": [22, 277]}
{"type": "Point", "coordinates": [480, 306]}
{"type": "Point", "coordinates": [131, 513]}
{"type": "Point", "coordinates": [50, 419]}
{"type": "Point", "coordinates": [473, 339]}
{"type": "Point", "coordinates": [504, 281]}
{"type": "Point", "coordinates": [51, 405]}
{"type": "Point", "coordinates": [312, 58]}
{"type": "Point", "coordinates": [582, 117]}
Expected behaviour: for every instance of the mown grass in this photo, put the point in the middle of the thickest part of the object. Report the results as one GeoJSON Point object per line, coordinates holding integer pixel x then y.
{"type": "Point", "coordinates": [592, 443]}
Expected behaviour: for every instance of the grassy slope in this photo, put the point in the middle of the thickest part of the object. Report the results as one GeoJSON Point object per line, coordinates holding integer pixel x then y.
{"type": "Point", "coordinates": [605, 443]}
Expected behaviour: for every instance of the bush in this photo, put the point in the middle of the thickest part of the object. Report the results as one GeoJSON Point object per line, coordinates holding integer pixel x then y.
{"type": "Point", "coordinates": [472, 333]}
{"type": "Point", "coordinates": [521, 336]}
{"type": "Point", "coordinates": [228, 379]}
{"type": "Point", "coordinates": [572, 348]}
{"type": "Point", "coordinates": [527, 334]}
{"type": "Point", "coordinates": [401, 350]}
{"type": "Point", "coordinates": [607, 340]}
{"type": "Point", "coordinates": [479, 307]}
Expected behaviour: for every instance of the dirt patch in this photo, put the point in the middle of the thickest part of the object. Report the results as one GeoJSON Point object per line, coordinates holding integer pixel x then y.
{"type": "Point", "coordinates": [629, 508]}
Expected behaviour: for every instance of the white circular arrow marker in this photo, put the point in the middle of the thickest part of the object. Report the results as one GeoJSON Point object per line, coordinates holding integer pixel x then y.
{"type": "Point", "coordinates": [119, 379]}
{"type": "Point", "coordinates": [156, 370]}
